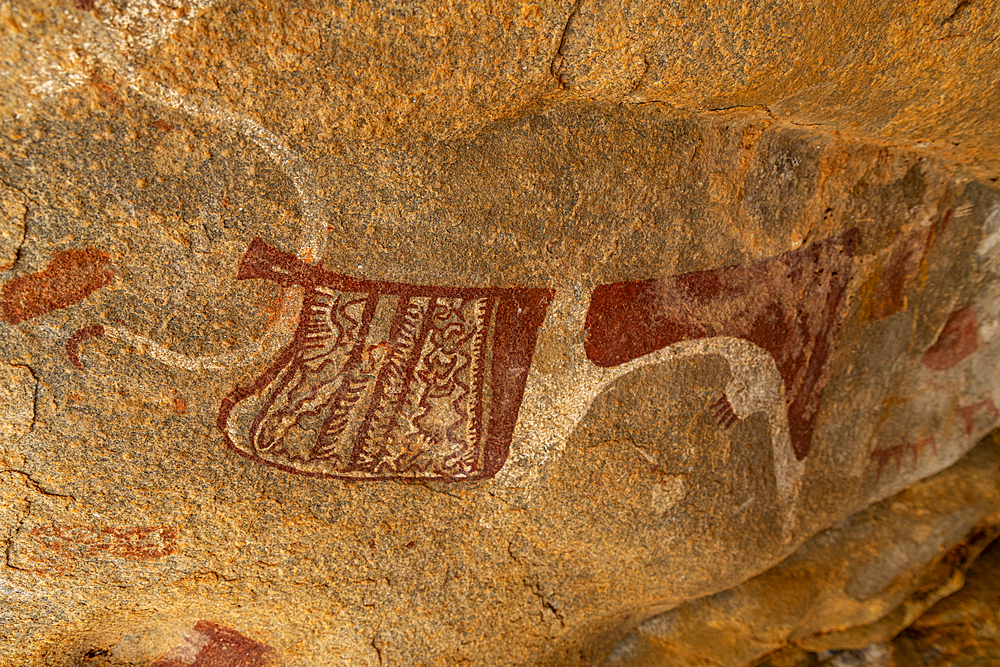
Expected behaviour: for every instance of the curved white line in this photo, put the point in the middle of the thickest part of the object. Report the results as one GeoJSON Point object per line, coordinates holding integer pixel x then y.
{"type": "Point", "coordinates": [312, 237]}
{"type": "Point", "coordinates": [555, 403]}
{"type": "Point", "coordinates": [267, 345]}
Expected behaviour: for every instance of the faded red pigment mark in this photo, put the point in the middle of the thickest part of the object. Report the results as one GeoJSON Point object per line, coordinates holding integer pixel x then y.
{"type": "Point", "coordinates": [968, 412]}
{"type": "Point", "coordinates": [80, 542]}
{"type": "Point", "coordinates": [958, 339]}
{"type": "Point", "coordinates": [724, 413]}
{"type": "Point", "coordinates": [788, 305]}
{"type": "Point", "coordinates": [70, 277]}
{"type": "Point", "coordinates": [884, 456]}
{"type": "Point", "coordinates": [162, 125]}
{"type": "Point", "coordinates": [111, 97]}
{"type": "Point", "coordinates": [212, 645]}
{"type": "Point", "coordinates": [73, 343]}
{"type": "Point", "coordinates": [907, 260]}
{"type": "Point", "coordinates": [180, 405]}
{"type": "Point", "coordinates": [387, 380]}
{"type": "Point", "coordinates": [893, 281]}
{"type": "Point", "coordinates": [83, 5]}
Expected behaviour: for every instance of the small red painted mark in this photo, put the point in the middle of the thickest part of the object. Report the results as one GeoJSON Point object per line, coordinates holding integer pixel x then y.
{"type": "Point", "coordinates": [162, 125]}
{"type": "Point", "coordinates": [73, 344]}
{"type": "Point", "coordinates": [788, 305]}
{"type": "Point", "coordinates": [180, 405]}
{"type": "Point", "coordinates": [724, 413]}
{"type": "Point", "coordinates": [958, 339]}
{"type": "Point", "coordinates": [895, 278]}
{"type": "Point", "coordinates": [110, 96]}
{"type": "Point", "coordinates": [70, 277]}
{"type": "Point", "coordinates": [968, 412]}
{"type": "Point", "coordinates": [410, 545]}
{"type": "Point", "coordinates": [884, 456]}
{"type": "Point", "coordinates": [83, 5]}
{"type": "Point", "coordinates": [135, 543]}
{"type": "Point", "coordinates": [212, 645]}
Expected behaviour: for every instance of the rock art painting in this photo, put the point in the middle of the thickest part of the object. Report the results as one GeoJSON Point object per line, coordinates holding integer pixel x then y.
{"type": "Point", "coordinates": [62, 548]}
{"type": "Point", "coordinates": [957, 340]}
{"type": "Point", "coordinates": [952, 382]}
{"type": "Point", "coordinates": [133, 543]}
{"type": "Point", "coordinates": [71, 276]}
{"type": "Point", "coordinates": [905, 259]}
{"type": "Point", "coordinates": [969, 413]}
{"type": "Point", "coordinates": [788, 306]}
{"type": "Point", "coordinates": [393, 381]}
{"type": "Point", "coordinates": [386, 380]}
{"type": "Point", "coordinates": [774, 321]}
{"type": "Point", "coordinates": [374, 380]}
{"type": "Point", "coordinates": [895, 454]}
{"type": "Point", "coordinates": [80, 335]}
{"type": "Point", "coordinates": [209, 644]}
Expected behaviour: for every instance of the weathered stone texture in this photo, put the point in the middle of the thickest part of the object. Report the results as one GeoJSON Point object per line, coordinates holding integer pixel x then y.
{"type": "Point", "coordinates": [963, 628]}
{"type": "Point", "coordinates": [421, 334]}
{"type": "Point", "coordinates": [857, 584]}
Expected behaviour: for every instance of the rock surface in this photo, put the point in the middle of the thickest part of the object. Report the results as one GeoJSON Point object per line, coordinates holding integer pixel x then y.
{"type": "Point", "coordinates": [853, 586]}
{"type": "Point", "coordinates": [416, 334]}
{"type": "Point", "coordinates": [958, 631]}
{"type": "Point", "coordinates": [964, 628]}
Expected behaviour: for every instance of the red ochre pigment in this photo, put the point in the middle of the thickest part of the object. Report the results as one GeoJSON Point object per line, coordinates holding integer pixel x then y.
{"type": "Point", "coordinates": [916, 450]}
{"type": "Point", "coordinates": [70, 277]}
{"type": "Point", "coordinates": [212, 645]}
{"type": "Point", "coordinates": [958, 339]}
{"type": "Point", "coordinates": [388, 380]}
{"type": "Point", "coordinates": [788, 305]}
{"type": "Point", "coordinates": [132, 543]}
{"type": "Point", "coordinates": [968, 412]}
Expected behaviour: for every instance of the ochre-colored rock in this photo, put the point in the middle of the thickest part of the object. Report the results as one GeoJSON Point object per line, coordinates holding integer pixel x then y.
{"type": "Point", "coordinates": [431, 334]}
{"type": "Point", "coordinates": [855, 585]}
{"type": "Point", "coordinates": [964, 628]}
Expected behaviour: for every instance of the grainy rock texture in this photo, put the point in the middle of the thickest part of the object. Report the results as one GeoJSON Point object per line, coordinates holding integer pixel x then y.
{"type": "Point", "coordinates": [854, 585]}
{"type": "Point", "coordinates": [415, 333]}
{"type": "Point", "coordinates": [958, 631]}
{"type": "Point", "coordinates": [964, 628]}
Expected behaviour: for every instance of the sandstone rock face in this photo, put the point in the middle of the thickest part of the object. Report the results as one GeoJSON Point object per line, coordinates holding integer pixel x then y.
{"type": "Point", "coordinates": [853, 586]}
{"type": "Point", "coordinates": [962, 628]}
{"type": "Point", "coordinates": [427, 335]}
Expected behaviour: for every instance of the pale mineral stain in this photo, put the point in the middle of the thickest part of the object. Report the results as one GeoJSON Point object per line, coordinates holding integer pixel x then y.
{"type": "Point", "coordinates": [666, 493]}
{"type": "Point", "coordinates": [17, 403]}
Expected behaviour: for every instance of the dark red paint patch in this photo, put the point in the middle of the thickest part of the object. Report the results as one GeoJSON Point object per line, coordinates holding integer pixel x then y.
{"type": "Point", "coordinates": [724, 413]}
{"type": "Point", "coordinates": [788, 305]}
{"type": "Point", "coordinates": [958, 339]}
{"type": "Point", "coordinates": [70, 277]}
{"type": "Point", "coordinates": [73, 343]}
{"type": "Point", "coordinates": [968, 412]}
{"type": "Point", "coordinates": [134, 543]}
{"type": "Point", "coordinates": [83, 5]}
{"type": "Point", "coordinates": [896, 454]}
{"type": "Point", "coordinates": [895, 278]}
{"type": "Point", "coordinates": [212, 645]}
